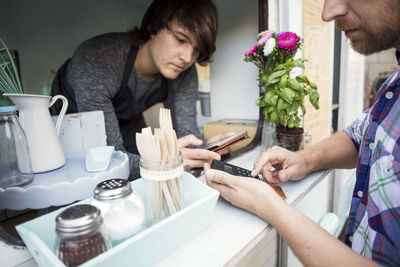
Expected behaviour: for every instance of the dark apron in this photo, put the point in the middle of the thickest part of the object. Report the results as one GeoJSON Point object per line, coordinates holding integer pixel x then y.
{"type": "Point", "coordinates": [61, 87]}
{"type": "Point", "coordinates": [128, 110]}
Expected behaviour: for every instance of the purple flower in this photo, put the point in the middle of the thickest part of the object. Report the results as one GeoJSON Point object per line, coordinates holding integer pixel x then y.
{"type": "Point", "coordinates": [264, 36]}
{"type": "Point", "coordinates": [251, 52]}
{"type": "Point", "coordinates": [288, 40]}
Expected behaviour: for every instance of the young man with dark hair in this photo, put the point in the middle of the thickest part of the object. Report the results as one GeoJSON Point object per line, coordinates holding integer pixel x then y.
{"type": "Point", "coordinates": [371, 143]}
{"type": "Point", "coordinates": [123, 74]}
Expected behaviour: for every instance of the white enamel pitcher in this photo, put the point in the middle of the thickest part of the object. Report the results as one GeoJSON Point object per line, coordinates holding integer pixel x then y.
{"type": "Point", "coordinates": [34, 117]}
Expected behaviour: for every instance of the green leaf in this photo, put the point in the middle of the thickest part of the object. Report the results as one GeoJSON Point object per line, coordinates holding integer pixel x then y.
{"type": "Point", "coordinates": [313, 85]}
{"type": "Point", "coordinates": [273, 81]}
{"type": "Point", "coordinates": [302, 78]}
{"type": "Point", "coordinates": [267, 97]}
{"type": "Point", "coordinates": [294, 84]}
{"type": "Point", "coordinates": [266, 115]}
{"type": "Point", "coordinates": [288, 95]}
{"type": "Point", "coordinates": [283, 118]}
{"type": "Point", "coordinates": [259, 101]}
{"type": "Point", "coordinates": [274, 99]}
{"type": "Point", "coordinates": [279, 67]}
{"type": "Point", "coordinates": [285, 106]}
{"type": "Point", "coordinates": [275, 77]}
{"type": "Point", "coordinates": [274, 116]}
{"type": "Point", "coordinates": [283, 81]}
{"type": "Point", "coordinates": [280, 106]}
{"type": "Point", "coordinates": [303, 109]}
{"type": "Point", "coordinates": [298, 63]}
{"type": "Point", "coordinates": [314, 98]}
{"type": "Point", "coordinates": [263, 78]}
{"type": "Point", "coordinates": [270, 109]}
{"type": "Point", "coordinates": [294, 108]}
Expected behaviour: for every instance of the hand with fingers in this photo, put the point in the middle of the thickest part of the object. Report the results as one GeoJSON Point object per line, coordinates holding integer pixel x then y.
{"type": "Point", "coordinates": [195, 157]}
{"type": "Point", "coordinates": [277, 165]}
{"type": "Point", "coordinates": [219, 137]}
{"type": "Point", "coordinates": [245, 193]}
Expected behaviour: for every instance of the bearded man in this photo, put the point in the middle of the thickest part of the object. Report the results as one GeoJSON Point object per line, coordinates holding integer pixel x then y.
{"type": "Point", "coordinates": [371, 143]}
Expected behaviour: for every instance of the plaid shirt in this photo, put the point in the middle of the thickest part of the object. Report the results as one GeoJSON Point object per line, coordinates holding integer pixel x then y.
{"type": "Point", "coordinates": [374, 221]}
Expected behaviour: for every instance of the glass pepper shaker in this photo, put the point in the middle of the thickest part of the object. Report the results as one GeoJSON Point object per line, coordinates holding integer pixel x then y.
{"type": "Point", "coordinates": [121, 207]}
{"type": "Point", "coordinates": [15, 161]}
{"type": "Point", "coordinates": [80, 234]}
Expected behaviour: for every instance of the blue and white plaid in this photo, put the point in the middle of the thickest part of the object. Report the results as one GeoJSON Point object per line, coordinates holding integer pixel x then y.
{"type": "Point", "coordinates": [374, 221]}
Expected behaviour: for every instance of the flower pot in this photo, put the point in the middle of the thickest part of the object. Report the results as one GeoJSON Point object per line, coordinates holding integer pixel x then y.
{"type": "Point", "coordinates": [289, 138]}
{"type": "Point", "coordinates": [282, 90]}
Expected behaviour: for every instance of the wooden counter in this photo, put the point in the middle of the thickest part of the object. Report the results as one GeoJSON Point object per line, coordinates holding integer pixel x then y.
{"type": "Point", "coordinates": [236, 237]}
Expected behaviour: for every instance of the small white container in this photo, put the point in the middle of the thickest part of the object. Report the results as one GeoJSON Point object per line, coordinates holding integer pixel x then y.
{"type": "Point", "coordinates": [121, 208]}
{"type": "Point", "coordinates": [98, 158]}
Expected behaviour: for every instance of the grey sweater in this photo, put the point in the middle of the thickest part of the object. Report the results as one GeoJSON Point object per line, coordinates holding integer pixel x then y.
{"type": "Point", "coordinates": [95, 74]}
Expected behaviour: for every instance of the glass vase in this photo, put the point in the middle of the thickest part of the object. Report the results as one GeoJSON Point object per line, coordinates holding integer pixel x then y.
{"type": "Point", "coordinates": [268, 138]}
{"type": "Point", "coordinates": [15, 160]}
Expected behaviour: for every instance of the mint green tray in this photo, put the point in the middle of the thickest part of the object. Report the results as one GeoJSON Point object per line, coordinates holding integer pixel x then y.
{"type": "Point", "coordinates": [143, 249]}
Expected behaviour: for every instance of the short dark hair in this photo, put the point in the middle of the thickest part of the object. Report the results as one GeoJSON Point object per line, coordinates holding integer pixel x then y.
{"type": "Point", "coordinates": [198, 16]}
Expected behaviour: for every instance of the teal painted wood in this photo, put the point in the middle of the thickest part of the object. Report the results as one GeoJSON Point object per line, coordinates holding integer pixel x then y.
{"type": "Point", "coordinates": [143, 249]}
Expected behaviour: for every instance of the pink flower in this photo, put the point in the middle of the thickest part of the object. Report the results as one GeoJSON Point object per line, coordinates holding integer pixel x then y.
{"type": "Point", "coordinates": [288, 40]}
{"type": "Point", "coordinates": [251, 52]}
{"type": "Point", "coordinates": [264, 36]}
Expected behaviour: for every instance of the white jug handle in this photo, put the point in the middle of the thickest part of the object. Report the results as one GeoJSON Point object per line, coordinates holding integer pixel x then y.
{"type": "Point", "coordinates": [63, 109]}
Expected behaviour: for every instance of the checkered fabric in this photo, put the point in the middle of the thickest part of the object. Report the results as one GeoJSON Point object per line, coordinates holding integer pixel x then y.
{"type": "Point", "coordinates": [374, 221]}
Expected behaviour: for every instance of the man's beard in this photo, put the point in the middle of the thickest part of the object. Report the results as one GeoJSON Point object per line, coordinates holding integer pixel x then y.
{"type": "Point", "coordinates": [372, 41]}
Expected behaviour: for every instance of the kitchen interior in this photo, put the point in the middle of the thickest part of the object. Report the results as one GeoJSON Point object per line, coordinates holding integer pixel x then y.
{"type": "Point", "coordinates": [44, 33]}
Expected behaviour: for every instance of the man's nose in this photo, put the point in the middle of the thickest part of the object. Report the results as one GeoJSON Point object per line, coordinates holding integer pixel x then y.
{"type": "Point", "coordinates": [187, 54]}
{"type": "Point", "coordinates": [333, 9]}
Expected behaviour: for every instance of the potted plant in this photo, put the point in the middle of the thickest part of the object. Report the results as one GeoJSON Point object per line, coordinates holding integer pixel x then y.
{"type": "Point", "coordinates": [284, 92]}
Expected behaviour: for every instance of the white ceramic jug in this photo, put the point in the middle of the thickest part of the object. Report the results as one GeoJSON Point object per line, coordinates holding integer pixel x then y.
{"type": "Point", "coordinates": [34, 116]}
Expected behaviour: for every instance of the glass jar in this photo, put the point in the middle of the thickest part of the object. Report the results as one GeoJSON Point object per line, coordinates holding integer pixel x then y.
{"type": "Point", "coordinates": [15, 161]}
{"type": "Point", "coordinates": [163, 188]}
{"type": "Point", "coordinates": [268, 138]}
{"type": "Point", "coordinates": [80, 234]}
{"type": "Point", "coordinates": [122, 208]}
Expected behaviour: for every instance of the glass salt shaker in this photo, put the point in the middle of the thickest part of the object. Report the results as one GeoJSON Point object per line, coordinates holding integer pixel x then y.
{"type": "Point", "coordinates": [15, 161]}
{"type": "Point", "coordinates": [121, 207]}
{"type": "Point", "coordinates": [163, 187]}
{"type": "Point", "coordinates": [80, 234]}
